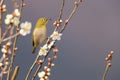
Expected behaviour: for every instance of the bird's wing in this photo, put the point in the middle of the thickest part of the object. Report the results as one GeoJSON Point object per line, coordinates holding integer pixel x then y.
{"type": "Point", "coordinates": [32, 40]}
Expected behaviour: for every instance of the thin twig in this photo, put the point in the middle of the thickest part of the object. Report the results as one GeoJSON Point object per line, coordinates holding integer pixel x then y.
{"type": "Point", "coordinates": [105, 72]}
{"type": "Point", "coordinates": [1, 76]}
{"type": "Point", "coordinates": [3, 70]}
{"type": "Point", "coordinates": [15, 4]}
{"type": "Point", "coordinates": [31, 68]}
{"type": "Point", "coordinates": [21, 8]}
{"type": "Point", "coordinates": [13, 55]}
{"type": "Point", "coordinates": [108, 65]}
{"type": "Point", "coordinates": [39, 67]}
{"type": "Point", "coordinates": [70, 16]}
{"type": "Point", "coordinates": [1, 59]}
{"type": "Point", "coordinates": [15, 73]}
{"type": "Point", "coordinates": [0, 24]}
{"type": "Point", "coordinates": [5, 33]}
{"type": "Point", "coordinates": [11, 37]}
{"type": "Point", "coordinates": [61, 12]}
{"type": "Point", "coordinates": [1, 3]}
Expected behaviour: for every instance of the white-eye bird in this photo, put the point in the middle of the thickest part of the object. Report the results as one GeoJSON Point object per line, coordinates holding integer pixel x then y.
{"type": "Point", "coordinates": [39, 32]}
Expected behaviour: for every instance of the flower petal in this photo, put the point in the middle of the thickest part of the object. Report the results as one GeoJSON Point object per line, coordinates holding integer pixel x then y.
{"type": "Point", "coordinates": [25, 28]}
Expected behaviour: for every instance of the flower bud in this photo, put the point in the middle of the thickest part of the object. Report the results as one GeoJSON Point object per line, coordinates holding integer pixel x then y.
{"type": "Point", "coordinates": [9, 44]}
{"type": "Point", "coordinates": [55, 56]}
{"type": "Point", "coordinates": [16, 49]}
{"type": "Point", "coordinates": [55, 50]}
{"type": "Point", "coordinates": [4, 10]}
{"type": "Point", "coordinates": [1, 64]}
{"type": "Point", "coordinates": [46, 77]}
{"type": "Point", "coordinates": [49, 59]}
{"type": "Point", "coordinates": [109, 64]}
{"type": "Point", "coordinates": [76, 3]}
{"type": "Point", "coordinates": [48, 73]}
{"type": "Point", "coordinates": [58, 25]}
{"type": "Point", "coordinates": [6, 63]}
{"type": "Point", "coordinates": [60, 21]}
{"type": "Point", "coordinates": [4, 72]}
{"type": "Point", "coordinates": [45, 67]}
{"type": "Point", "coordinates": [24, 4]}
{"type": "Point", "coordinates": [39, 62]}
{"type": "Point", "coordinates": [48, 69]}
{"type": "Point", "coordinates": [52, 64]}
{"type": "Point", "coordinates": [55, 23]}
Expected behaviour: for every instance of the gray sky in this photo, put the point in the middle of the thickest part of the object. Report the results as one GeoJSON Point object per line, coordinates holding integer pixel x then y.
{"type": "Point", "coordinates": [92, 32]}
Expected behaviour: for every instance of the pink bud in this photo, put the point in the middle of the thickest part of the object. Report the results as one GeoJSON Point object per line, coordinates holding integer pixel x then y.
{"type": "Point", "coordinates": [109, 64]}
{"type": "Point", "coordinates": [52, 64]}
{"type": "Point", "coordinates": [24, 4]}
{"type": "Point", "coordinates": [49, 64]}
{"type": "Point", "coordinates": [39, 61]}
{"type": "Point", "coordinates": [106, 58]}
{"type": "Point", "coordinates": [76, 3]}
{"type": "Point", "coordinates": [55, 56]}
{"type": "Point", "coordinates": [55, 50]}
{"type": "Point", "coordinates": [49, 59]}
{"type": "Point", "coordinates": [16, 49]}
{"type": "Point", "coordinates": [4, 72]}
{"type": "Point", "coordinates": [4, 10]}
{"type": "Point", "coordinates": [55, 23]}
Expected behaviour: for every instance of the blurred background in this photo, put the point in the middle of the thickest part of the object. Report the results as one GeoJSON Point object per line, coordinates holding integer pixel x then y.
{"type": "Point", "coordinates": [91, 34]}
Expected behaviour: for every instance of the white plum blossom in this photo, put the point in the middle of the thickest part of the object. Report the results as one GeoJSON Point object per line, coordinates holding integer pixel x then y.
{"type": "Point", "coordinates": [41, 74]}
{"type": "Point", "coordinates": [8, 19]}
{"type": "Point", "coordinates": [3, 50]}
{"type": "Point", "coordinates": [42, 79]}
{"type": "Point", "coordinates": [56, 36]}
{"type": "Point", "coordinates": [9, 16]}
{"type": "Point", "coordinates": [43, 51]}
{"type": "Point", "coordinates": [16, 21]}
{"type": "Point", "coordinates": [45, 46]}
{"type": "Point", "coordinates": [13, 18]}
{"type": "Point", "coordinates": [16, 12]}
{"type": "Point", "coordinates": [25, 28]}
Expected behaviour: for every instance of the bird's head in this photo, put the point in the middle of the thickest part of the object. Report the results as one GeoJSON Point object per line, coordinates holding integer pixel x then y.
{"type": "Point", "coordinates": [43, 21]}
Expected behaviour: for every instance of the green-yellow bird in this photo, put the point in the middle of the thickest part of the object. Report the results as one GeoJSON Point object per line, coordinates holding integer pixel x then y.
{"type": "Point", "coordinates": [39, 32]}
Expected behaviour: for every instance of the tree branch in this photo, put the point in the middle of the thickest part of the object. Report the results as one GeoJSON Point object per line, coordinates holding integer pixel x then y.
{"type": "Point", "coordinates": [1, 3]}
{"type": "Point", "coordinates": [14, 45]}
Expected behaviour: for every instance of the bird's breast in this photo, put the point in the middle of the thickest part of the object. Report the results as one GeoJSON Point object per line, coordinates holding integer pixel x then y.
{"type": "Point", "coordinates": [39, 35]}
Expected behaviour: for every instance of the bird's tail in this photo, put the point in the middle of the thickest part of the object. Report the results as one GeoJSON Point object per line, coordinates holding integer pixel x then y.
{"type": "Point", "coordinates": [33, 51]}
